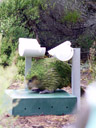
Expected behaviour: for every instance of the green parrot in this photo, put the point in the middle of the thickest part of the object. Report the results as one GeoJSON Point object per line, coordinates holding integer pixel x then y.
{"type": "Point", "coordinates": [48, 74]}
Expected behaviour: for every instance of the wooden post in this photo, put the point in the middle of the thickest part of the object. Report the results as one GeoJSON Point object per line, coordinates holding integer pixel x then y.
{"type": "Point", "coordinates": [76, 75]}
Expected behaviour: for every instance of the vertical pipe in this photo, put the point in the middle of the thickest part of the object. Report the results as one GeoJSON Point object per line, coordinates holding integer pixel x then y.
{"type": "Point", "coordinates": [28, 61]}
{"type": "Point", "coordinates": [76, 75]}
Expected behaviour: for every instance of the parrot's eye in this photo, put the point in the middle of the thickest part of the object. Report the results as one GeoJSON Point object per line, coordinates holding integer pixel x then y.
{"type": "Point", "coordinates": [30, 81]}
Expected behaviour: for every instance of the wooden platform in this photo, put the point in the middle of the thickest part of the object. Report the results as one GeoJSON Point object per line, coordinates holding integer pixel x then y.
{"type": "Point", "coordinates": [28, 103]}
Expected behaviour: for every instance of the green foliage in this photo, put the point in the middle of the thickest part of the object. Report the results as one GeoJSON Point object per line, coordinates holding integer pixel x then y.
{"type": "Point", "coordinates": [71, 16]}
{"type": "Point", "coordinates": [51, 73]}
{"type": "Point", "coordinates": [85, 42]}
{"type": "Point", "coordinates": [21, 65]}
{"type": "Point", "coordinates": [7, 51]}
{"type": "Point", "coordinates": [17, 19]}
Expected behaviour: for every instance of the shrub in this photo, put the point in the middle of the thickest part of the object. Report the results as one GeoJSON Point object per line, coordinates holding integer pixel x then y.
{"type": "Point", "coordinates": [15, 19]}
{"type": "Point", "coordinates": [85, 42]}
{"type": "Point", "coordinates": [21, 65]}
{"type": "Point", "coordinates": [71, 16]}
{"type": "Point", "coordinates": [7, 50]}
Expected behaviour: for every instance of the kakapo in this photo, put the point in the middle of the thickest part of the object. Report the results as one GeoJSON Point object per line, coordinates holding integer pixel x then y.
{"type": "Point", "coordinates": [48, 74]}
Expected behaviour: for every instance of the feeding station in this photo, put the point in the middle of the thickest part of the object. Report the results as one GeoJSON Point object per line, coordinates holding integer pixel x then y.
{"type": "Point", "coordinates": [57, 103]}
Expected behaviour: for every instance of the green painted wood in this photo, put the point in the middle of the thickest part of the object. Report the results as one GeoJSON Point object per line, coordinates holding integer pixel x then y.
{"type": "Point", "coordinates": [28, 103]}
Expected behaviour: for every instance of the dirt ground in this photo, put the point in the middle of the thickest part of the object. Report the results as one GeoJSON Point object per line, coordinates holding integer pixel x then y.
{"type": "Point", "coordinates": [49, 121]}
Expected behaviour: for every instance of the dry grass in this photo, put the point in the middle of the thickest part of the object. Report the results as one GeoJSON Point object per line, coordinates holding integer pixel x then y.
{"type": "Point", "coordinates": [6, 78]}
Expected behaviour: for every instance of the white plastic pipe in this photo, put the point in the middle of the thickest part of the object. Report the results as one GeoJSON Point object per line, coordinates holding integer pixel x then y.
{"type": "Point", "coordinates": [63, 52]}
{"type": "Point", "coordinates": [30, 48]}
